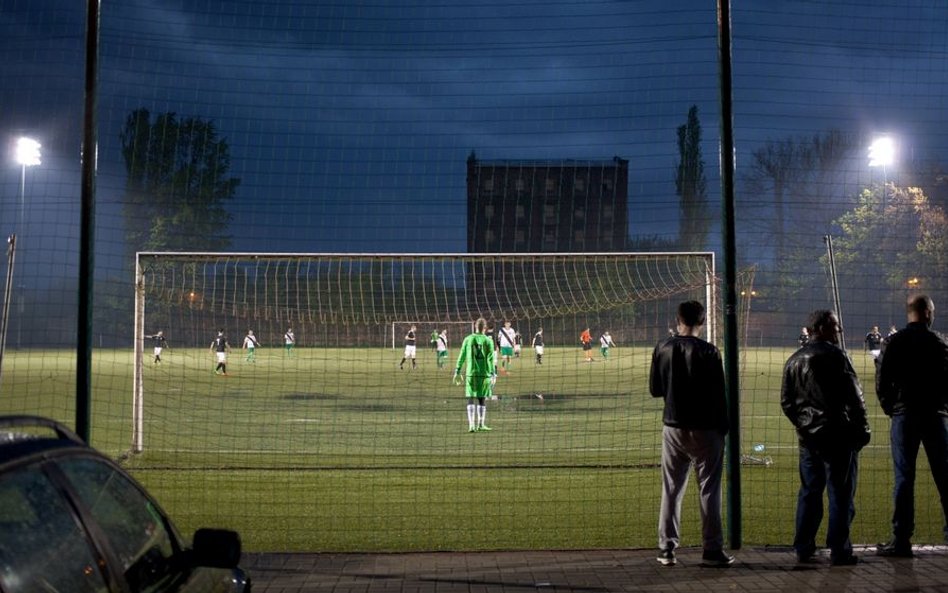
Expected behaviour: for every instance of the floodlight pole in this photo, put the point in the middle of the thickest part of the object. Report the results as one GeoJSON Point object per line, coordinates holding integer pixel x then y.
{"type": "Point", "coordinates": [27, 155]}
{"type": "Point", "coordinates": [20, 294]}
{"type": "Point", "coordinates": [882, 154]}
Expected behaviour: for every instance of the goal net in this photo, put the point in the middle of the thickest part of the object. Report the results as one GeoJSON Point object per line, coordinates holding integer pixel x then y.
{"type": "Point", "coordinates": [335, 417]}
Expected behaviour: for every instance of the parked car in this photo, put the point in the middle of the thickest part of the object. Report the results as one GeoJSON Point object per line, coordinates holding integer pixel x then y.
{"type": "Point", "coordinates": [71, 519]}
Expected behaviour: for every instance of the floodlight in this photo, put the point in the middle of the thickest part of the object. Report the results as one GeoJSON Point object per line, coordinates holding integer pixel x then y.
{"type": "Point", "coordinates": [882, 152]}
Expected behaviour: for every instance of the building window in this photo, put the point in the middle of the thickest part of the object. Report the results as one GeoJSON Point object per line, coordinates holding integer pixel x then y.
{"type": "Point", "coordinates": [519, 184]}
{"type": "Point", "coordinates": [579, 185]}
{"type": "Point", "coordinates": [488, 236]}
{"type": "Point", "coordinates": [550, 186]}
{"type": "Point", "coordinates": [487, 187]}
{"type": "Point", "coordinates": [580, 213]}
{"type": "Point", "coordinates": [519, 237]}
{"type": "Point", "coordinates": [489, 211]}
{"type": "Point", "coordinates": [520, 213]}
{"type": "Point", "coordinates": [607, 184]}
{"type": "Point", "coordinates": [579, 238]}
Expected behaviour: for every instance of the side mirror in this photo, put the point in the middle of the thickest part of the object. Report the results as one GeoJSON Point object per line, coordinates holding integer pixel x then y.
{"type": "Point", "coordinates": [216, 548]}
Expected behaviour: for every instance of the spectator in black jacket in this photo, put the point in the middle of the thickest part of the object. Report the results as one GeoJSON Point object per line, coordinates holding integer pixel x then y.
{"type": "Point", "coordinates": [822, 397]}
{"type": "Point", "coordinates": [687, 372]}
{"type": "Point", "coordinates": [912, 385]}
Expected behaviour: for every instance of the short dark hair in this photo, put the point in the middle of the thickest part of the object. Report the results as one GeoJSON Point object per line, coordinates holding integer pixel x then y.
{"type": "Point", "coordinates": [691, 313]}
{"type": "Point", "coordinates": [920, 304]}
{"type": "Point", "coordinates": [819, 318]}
{"type": "Point", "coordinates": [480, 325]}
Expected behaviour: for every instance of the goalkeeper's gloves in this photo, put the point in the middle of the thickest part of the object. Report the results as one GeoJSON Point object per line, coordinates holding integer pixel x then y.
{"type": "Point", "coordinates": [493, 379]}
{"type": "Point", "coordinates": [457, 377]}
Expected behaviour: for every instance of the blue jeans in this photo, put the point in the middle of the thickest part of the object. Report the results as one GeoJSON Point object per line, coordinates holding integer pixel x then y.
{"type": "Point", "coordinates": [834, 472]}
{"type": "Point", "coordinates": [907, 433]}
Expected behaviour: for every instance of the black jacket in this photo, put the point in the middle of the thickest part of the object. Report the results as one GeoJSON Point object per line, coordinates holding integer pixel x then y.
{"type": "Point", "coordinates": [822, 397]}
{"type": "Point", "coordinates": [687, 372]}
{"type": "Point", "coordinates": [912, 372]}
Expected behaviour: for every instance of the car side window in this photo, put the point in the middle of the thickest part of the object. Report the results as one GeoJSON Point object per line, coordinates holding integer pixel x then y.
{"type": "Point", "coordinates": [133, 525]}
{"type": "Point", "coordinates": [42, 546]}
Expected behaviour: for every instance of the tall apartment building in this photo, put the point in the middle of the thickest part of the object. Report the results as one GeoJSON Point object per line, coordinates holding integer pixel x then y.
{"type": "Point", "coordinates": [547, 206]}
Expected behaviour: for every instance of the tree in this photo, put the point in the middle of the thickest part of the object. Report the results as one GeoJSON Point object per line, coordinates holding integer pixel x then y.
{"type": "Point", "coordinates": [906, 238]}
{"type": "Point", "coordinates": [694, 220]}
{"type": "Point", "coordinates": [177, 183]}
{"type": "Point", "coordinates": [808, 178]}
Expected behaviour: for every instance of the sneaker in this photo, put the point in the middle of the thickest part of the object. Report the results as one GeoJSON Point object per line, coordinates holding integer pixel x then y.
{"type": "Point", "coordinates": [894, 549]}
{"type": "Point", "coordinates": [472, 429]}
{"type": "Point", "coordinates": [716, 558]}
{"type": "Point", "coordinates": [667, 557]}
{"type": "Point", "coordinates": [847, 560]}
{"type": "Point", "coordinates": [484, 428]}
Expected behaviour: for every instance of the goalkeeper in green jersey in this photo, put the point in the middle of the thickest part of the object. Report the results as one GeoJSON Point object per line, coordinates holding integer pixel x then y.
{"type": "Point", "coordinates": [477, 352]}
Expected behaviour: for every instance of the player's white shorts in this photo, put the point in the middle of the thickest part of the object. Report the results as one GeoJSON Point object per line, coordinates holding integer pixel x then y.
{"type": "Point", "coordinates": [221, 357]}
{"type": "Point", "coordinates": [157, 351]}
{"type": "Point", "coordinates": [539, 350]}
{"type": "Point", "coordinates": [409, 352]}
{"type": "Point", "coordinates": [875, 353]}
{"type": "Point", "coordinates": [440, 349]}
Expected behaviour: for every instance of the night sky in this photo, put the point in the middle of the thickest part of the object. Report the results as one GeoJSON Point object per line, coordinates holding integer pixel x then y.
{"type": "Point", "coordinates": [349, 123]}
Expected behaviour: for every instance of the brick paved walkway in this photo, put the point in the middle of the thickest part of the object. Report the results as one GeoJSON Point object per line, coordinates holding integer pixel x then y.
{"type": "Point", "coordinates": [597, 571]}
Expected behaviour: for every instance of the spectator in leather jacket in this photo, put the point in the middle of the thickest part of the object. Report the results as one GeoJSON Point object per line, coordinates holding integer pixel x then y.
{"type": "Point", "coordinates": [687, 372]}
{"type": "Point", "coordinates": [822, 397]}
{"type": "Point", "coordinates": [911, 379]}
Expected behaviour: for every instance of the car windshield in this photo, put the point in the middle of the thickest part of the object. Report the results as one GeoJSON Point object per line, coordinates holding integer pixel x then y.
{"type": "Point", "coordinates": [136, 530]}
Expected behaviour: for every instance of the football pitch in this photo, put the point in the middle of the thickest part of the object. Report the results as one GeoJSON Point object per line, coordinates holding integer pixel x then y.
{"type": "Point", "coordinates": [340, 450]}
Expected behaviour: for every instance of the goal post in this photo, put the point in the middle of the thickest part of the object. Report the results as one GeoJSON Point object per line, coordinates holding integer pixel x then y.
{"type": "Point", "coordinates": [347, 309]}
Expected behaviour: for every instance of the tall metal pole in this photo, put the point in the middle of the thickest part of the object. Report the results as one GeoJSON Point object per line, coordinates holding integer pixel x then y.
{"type": "Point", "coordinates": [20, 296]}
{"type": "Point", "coordinates": [731, 367]}
{"type": "Point", "coordinates": [7, 295]}
{"type": "Point", "coordinates": [87, 227]}
{"type": "Point", "coordinates": [831, 258]}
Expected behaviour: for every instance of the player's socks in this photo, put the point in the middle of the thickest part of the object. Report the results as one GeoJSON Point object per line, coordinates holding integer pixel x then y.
{"type": "Point", "coordinates": [471, 423]}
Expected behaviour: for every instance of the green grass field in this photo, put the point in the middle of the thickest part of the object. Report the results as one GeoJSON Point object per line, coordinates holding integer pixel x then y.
{"type": "Point", "coordinates": [339, 450]}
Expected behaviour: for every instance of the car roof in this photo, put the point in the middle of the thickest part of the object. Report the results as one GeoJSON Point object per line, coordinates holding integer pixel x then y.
{"type": "Point", "coordinates": [23, 436]}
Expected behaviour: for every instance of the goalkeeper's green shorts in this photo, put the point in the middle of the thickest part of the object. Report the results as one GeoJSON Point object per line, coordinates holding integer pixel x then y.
{"type": "Point", "coordinates": [477, 387]}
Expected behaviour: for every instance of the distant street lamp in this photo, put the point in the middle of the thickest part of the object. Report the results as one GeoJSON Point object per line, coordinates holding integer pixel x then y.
{"type": "Point", "coordinates": [27, 154]}
{"type": "Point", "coordinates": [747, 295]}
